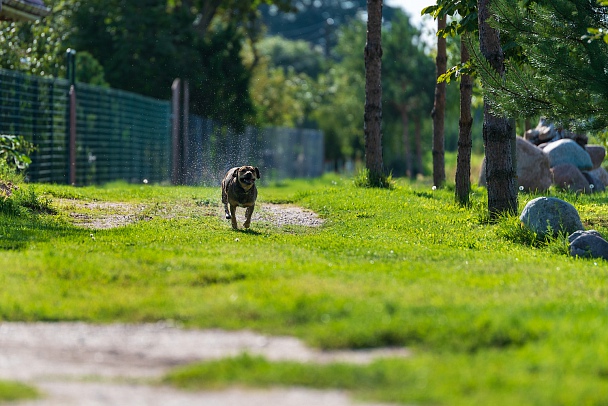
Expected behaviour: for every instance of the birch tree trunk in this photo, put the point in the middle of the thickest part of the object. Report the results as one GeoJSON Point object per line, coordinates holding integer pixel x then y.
{"type": "Point", "coordinates": [373, 93]}
{"type": "Point", "coordinates": [497, 135]}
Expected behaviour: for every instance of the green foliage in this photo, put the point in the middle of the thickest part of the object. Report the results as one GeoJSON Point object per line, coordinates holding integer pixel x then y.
{"type": "Point", "coordinates": [297, 55]}
{"type": "Point", "coordinates": [38, 47]}
{"type": "Point", "coordinates": [560, 74]}
{"type": "Point", "coordinates": [283, 98]}
{"type": "Point", "coordinates": [14, 151]}
{"type": "Point", "coordinates": [407, 82]}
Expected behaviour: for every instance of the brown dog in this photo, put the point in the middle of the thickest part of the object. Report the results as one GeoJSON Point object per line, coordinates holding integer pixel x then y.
{"type": "Point", "coordinates": [238, 189]}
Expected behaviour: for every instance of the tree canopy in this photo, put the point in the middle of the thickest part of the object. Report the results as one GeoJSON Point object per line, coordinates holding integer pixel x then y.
{"type": "Point", "coordinates": [562, 70]}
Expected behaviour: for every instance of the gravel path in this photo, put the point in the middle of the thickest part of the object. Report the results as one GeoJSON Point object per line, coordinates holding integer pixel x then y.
{"type": "Point", "coordinates": [117, 364]}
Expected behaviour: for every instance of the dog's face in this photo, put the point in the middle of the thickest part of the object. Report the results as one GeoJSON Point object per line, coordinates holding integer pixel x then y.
{"type": "Point", "coordinates": [246, 175]}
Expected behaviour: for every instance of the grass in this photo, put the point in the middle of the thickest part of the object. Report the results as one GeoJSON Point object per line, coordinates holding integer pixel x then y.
{"type": "Point", "coordinates": [15, 391]}
{"type": "Point", "coordinates": [493, 314]}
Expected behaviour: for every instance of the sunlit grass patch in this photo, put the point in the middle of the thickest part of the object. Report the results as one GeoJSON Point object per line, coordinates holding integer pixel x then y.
{"type": "Point", "coordinates": [15, 391]}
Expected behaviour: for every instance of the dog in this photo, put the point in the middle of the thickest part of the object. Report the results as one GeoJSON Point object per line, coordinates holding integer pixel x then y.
{"type": "Point", "coordinates": [238, 189]}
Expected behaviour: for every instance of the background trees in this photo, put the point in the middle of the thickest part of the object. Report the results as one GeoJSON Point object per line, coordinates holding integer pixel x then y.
{"type": "Point", "coordinates": [238, 74]}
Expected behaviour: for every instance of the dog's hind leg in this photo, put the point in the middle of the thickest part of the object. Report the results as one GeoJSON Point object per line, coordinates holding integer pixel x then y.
{"type": "Point", "coordinates": [248, 214]}
{"type": "Point", "coordinates": [225, 202]}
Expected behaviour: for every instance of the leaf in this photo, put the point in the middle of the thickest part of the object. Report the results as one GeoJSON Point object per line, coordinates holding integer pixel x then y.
{"type": "Point", "coordinates": [432, 10]}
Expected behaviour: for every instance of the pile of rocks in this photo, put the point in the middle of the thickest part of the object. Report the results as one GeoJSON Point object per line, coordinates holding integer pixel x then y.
{"type": "Point", "coordinates": [548, 155]}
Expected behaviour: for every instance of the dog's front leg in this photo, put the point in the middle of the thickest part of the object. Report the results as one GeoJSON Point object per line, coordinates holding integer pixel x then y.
{"type": "Point", "coordinates": [233, 216]}
{"type": "Point", "coordinates": [248, 214]}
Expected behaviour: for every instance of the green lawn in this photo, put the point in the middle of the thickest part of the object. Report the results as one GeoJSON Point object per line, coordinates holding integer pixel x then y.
{"type": "Point", "coordinates": [492, 316]}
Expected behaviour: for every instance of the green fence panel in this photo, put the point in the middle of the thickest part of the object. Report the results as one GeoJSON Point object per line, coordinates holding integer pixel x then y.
{"type": "Point", "coordinates": [126, 136]}
{"type": "Point", "coordinates": [121, 135]}
{"type": "Point", "coordinates": [35, 108]}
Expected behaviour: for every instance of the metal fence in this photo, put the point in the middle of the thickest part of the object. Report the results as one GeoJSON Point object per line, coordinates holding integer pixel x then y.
{"type": "Point", "coordinates": [36, 108]}
{"type": "Point", "coordinates": [128, 137]}
{"type": "Point", "coordinates": [121, 135]}
{"type": "Point", "coordinates": [279, 152]}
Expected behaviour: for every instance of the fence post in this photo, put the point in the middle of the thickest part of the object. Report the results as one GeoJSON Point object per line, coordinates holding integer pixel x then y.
{"type": "Point", "coordinates": [186, 164]}
{"type": "Point", "coordinates": [176, 167]}
{"type": "Point", "coordinates": [71, 62]}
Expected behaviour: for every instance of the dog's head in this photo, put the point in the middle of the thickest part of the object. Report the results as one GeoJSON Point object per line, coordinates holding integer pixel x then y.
{"type": "Point", "coordinates": [246, 175]}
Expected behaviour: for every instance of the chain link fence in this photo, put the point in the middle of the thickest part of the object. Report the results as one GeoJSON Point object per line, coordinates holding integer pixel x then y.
{"type": "Point", "coordinates": [128, 137]}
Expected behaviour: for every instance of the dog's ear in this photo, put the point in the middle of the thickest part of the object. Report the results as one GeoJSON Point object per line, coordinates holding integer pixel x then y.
{"type": "Point", "coordinates": [257, 172]}
{"type": "Point", "coordinates": [235, 172]}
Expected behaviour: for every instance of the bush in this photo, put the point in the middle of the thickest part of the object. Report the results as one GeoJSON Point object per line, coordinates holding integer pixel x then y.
{"type": "Point", "coordinates": [14, 151]}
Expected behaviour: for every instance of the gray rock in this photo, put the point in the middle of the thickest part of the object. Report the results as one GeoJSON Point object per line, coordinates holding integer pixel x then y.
{"type": "Point", "coordinates": [567, 151]}
{"type": "Point", "coordinates": [568, 177]}
{"type": "Point", "coordinates": [548, 216]}
{"type": "Point", "coordinates": [578, 233]}
{"type": "Point", "coordinates": [588, 244]}
{"type": "Point", "coordinates": [533, 171]}
{"type": "Point", "coordinates": [601, 174]}
{"type": "Point", "coordinates": [596, 185]}
{"type": "Point", "coordinates": [597, 154]}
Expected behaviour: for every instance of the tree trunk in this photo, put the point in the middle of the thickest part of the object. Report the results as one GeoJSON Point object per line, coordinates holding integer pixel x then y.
{"type": "Point", "coordinates": [418, 143]}
{"type": "Point", "coordinates": [463, 164]}
{"type": "Point", "coordinates": [438, 112]}
{"type": "Point", "coordinates": [373, 93]}
{"type": "Point", "coordinates": [500, 176]}
{"type": "Point", "coordinates": [407, 149]}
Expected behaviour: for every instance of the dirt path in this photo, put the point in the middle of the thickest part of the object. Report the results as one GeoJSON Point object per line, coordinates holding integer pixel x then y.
{"type": "Point", "coordinates": [119, 364]}
{"type": "Point", "coordinates": [105, 215]}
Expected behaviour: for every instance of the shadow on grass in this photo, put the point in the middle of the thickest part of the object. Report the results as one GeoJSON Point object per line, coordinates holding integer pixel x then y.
{"type": "Point", "coordinates": [18, 232]}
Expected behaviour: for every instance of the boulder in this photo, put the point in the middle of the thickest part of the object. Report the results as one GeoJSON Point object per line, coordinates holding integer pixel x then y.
{"type": "Point", "coordinates": [597, 154]}
{"type": "Point", "coordinates": [596, 185]}
{"type": "Point", "coordinates": [567, 151]}
{"type": "Point", "coordinates": [569, 177]}
{"type": "Point", "coordinates": [601, 174]}
{"type": "Point", "coordinates": [549, 216]}
{"type": "Point", "coordinates": [533, 171]}
{"type": "Point", "coordinates": [588, 244]}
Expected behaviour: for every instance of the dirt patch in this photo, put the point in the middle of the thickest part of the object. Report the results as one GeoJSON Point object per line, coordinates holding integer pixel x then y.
{"type": "Point", "coordinates": [106, 215]}
{"type": "Point", "coordinates": [102, 215]}
{"type": "Point", "coordinates": [287, 215]}
{"type": "Point", "coordinates": [85, 364]}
